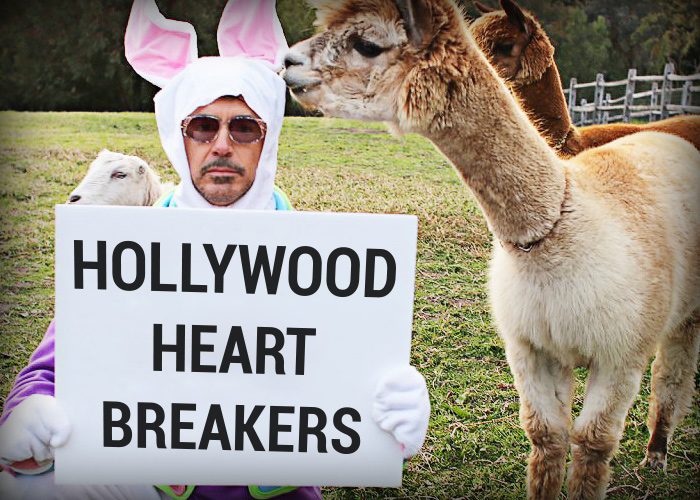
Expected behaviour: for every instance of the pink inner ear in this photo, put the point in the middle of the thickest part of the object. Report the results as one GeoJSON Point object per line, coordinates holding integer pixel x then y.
{"type": "Point", "coordinates": [161, 52]}
{"type": "Point", "coordinates": [156, 47]}
{"type": "Point", "coordinates": [250, 28]}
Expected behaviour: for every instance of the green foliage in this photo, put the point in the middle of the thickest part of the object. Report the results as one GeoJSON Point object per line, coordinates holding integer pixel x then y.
{"type": "Point", "coordinates": [66, 55]}
{"type": "Point", "coordinates": [475, 447]}
{"type": "Point", "coordinates": [297, 20]}
{"type": "Point", "coordinates": [623, 18]}
{"type": "Point", "coordinates": [70, 55]}
{"type": "Point", "coordinates": [646, 34]}
{"type": "Point", "coordinates": [671, 35]}
{"type": "Point", "coordinates": [578, 40]}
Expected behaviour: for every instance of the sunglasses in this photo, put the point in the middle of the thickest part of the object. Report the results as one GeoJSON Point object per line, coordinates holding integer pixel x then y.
{"type": "Point", "coordinates": [241, 129]}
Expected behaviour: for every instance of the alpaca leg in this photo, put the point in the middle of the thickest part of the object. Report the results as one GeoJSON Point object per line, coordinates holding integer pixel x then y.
{"type": "Point", "coordinates": [672, 385]}
{"type": "Point", "coordinates": [544, 386]}
{"type": "Point", "coordinates": [598, 429]}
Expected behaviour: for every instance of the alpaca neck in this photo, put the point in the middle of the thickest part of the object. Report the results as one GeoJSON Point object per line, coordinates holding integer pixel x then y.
{"type": "Point", "coordinates": [545, 104]}
{"type": "Point", "coordinates": [516, 177]}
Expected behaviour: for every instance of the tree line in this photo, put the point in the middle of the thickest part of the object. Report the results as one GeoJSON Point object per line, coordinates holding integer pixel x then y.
{"type": "Point", "coordinates": [69, 55]}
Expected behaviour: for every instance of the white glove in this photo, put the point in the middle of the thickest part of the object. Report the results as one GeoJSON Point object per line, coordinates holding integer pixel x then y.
{"type": "Point", "coordinates": [402, 408]}
{"type": "Point", "coordinates": [33, 430]}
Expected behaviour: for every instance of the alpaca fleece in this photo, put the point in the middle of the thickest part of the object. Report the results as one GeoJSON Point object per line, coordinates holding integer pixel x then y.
{"type": "Point", "coordinates": [596, 259]}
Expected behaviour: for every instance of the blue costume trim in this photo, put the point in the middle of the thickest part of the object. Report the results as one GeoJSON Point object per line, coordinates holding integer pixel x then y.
{"type": "Point", "coordinates": [281, 200]}
{"type": "Point", "coordinates": [166, 200]}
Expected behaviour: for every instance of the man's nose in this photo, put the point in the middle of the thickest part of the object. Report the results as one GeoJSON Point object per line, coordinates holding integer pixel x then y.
{"type": "Point", "coordinates": [223, 145]}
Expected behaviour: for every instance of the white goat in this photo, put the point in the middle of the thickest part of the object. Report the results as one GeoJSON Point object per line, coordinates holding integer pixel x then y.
{"type": "Point", "coordinates": [118, 179]}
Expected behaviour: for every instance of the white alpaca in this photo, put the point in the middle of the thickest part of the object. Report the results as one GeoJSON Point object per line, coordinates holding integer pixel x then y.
{"type": "Point", "coordinates": [118, 179]}
{"type": "Point", "coordinates": [596, 259]}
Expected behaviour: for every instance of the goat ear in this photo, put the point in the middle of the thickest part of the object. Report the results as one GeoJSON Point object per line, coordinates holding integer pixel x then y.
{"type": "Point", "coordinates": [417, 20]}
{"type": "Point", "coordinates": [515, 14]}
{"type": "Point", "coordinates": [153, 189]}
{"type": "Point", "coordinates": [484, 9]}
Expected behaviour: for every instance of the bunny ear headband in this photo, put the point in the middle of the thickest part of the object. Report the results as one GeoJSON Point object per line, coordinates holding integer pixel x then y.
{"type": "Point", "coordinates": [159, 48]}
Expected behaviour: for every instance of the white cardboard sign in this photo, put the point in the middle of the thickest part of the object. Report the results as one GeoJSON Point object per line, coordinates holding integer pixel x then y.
{"type": "Point", "coordinates": [229, 347]}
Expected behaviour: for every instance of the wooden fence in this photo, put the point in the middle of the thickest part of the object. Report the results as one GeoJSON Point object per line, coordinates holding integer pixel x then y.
{"type": "Point", "coordinates": [661, 96]}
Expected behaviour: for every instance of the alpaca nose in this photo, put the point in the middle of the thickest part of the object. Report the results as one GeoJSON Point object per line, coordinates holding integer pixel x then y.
{"type": "Point", "coordinates": [74, 198]}
{"type": "Point", "coordinates": [294, 58]}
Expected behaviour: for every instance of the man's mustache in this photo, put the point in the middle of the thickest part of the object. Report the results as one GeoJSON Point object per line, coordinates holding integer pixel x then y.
{"type": "Point", "coordinates": [222, 162]}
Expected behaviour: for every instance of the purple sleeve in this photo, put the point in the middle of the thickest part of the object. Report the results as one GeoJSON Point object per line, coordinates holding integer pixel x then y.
{"type": "Point", "coordinates": [35, 378]}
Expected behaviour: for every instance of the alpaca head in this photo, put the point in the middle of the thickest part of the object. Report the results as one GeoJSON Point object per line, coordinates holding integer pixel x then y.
{"type": "Point", "coordinates": [513, 41]}
{"type": "Point", "coordinates": [384, 60]}
{"type": "Point", "coordinates": [117, 179]}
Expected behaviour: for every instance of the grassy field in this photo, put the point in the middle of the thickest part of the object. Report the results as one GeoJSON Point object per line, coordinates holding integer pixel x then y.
{"type": "Point", "coordinates": [475, 447]}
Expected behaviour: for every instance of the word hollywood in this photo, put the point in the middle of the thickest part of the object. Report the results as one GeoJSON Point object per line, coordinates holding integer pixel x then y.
{"type": "Point", "coordinates": [304, 265]}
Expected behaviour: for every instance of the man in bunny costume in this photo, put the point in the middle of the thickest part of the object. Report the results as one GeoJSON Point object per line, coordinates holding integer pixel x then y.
{"type": "Point", "coordinates": [214, 173]}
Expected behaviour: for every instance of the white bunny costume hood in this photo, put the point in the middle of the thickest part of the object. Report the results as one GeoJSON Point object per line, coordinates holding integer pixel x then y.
{"type": "Point", "coordinates": [204, 81]}
{"type": "Point", "coordinates": [251, 43]}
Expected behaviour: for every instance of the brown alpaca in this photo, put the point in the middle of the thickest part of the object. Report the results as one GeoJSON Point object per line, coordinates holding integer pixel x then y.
{"type": "Point", "coordinates": [596, 259]}
{"type": "Point", "coordinates": [515, 43]}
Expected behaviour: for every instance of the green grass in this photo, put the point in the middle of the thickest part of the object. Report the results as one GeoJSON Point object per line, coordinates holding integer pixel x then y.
{"type": "Point", "coordinates": [475, 447]}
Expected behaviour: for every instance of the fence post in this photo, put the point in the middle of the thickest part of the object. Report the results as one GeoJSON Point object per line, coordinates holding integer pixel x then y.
{"type": "Point", "coordinates": [666, 90]}
{"type": "Point", "coordinates": [606, 113]}
{"type": "Point", "coordinates": [584, 112]}
{"type": "Point", "coordinates": [598, 96]}
{"type": "Point", "coordinates": [629, 94]}
{"type": "Point", "coordinates": [685, 96]}
{"type": "Point", "coordinates": [653, 100]}
{"type": "Point", "coordinates": [572, 97]}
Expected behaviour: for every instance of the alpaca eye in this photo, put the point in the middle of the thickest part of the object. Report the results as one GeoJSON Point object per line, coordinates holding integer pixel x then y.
{"type": "Point", "coordinates": [367, 49]}
{"type": "Point", "coordinates": [505, 49]}
{"type": "Point", "coordinates": [118, 175]}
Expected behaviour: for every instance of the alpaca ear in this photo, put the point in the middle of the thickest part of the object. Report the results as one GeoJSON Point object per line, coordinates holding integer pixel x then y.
{"type": "Point", "coordinates": [158, 48]}
{"type": "Point", "coordinates": [515, 15]}
{"type": "Point", "coordinates": [484, 9]}
{"type": "Point", "coordinates": [251, 28]}
{"type": "Point", "coordinates": [417, 20]}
